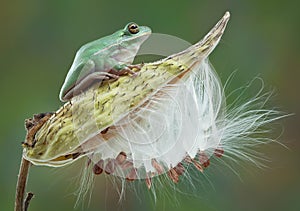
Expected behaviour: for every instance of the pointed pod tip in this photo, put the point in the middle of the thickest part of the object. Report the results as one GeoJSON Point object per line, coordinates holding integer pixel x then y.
{"type": "Point", "coordinates": [227, 15]}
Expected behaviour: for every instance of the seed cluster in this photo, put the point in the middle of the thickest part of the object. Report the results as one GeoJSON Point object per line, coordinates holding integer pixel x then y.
{"type": "Point", "coordinates": [120, 163]}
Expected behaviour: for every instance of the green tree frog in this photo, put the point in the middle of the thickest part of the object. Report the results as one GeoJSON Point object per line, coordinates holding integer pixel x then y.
{"type": "Point", "coordinates": [105, 58]}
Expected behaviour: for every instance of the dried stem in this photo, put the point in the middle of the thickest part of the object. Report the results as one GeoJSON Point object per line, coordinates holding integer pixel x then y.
{"type": "Point", "coordinates": [20, 205]}
{"type": "Point", "coordinates": [27, 200]}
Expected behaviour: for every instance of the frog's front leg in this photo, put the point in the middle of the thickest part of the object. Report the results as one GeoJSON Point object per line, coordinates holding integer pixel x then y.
{"type": "Point", "coordinates": [87, 81]}
{"type": "Point", "coordinates": [95, 76]}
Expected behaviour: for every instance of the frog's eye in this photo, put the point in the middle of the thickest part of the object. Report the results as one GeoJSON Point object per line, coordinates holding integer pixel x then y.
{"type": "Point", "coordinates": [133, 28]}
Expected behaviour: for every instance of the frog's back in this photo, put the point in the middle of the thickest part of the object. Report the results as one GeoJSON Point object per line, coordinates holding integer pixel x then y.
{"type": "Point", "coordinates": [91, 48]}
{"type": "Point", "coordinates": [83, 55]}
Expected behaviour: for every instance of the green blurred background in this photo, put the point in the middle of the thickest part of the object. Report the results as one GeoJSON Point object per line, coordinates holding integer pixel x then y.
{"type": "Point", "coordinates": [38, 42]}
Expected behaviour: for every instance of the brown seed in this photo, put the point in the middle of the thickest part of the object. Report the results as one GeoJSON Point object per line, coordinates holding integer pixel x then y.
{"type": "Point", "coordinates": [188, 159]}
{"type": "Point", "coordinates": [197, 165]}
{"type": "Point", "coordinates": [132, 175]}
{"type": "Point", "coordinates": [148, 181]}
{"type": "Point", "coordinates": [173, 175]}
{"type": "Point", "coordinates": [179, 169]}
{"type": "Point", "coordinates": [157, 166]}
{"type": "Point", "coordinates": [98, 167]}
{"type": "Point", "coordinates": [206, 164]}
{"type": "Point", "coordinates": [110, 167]}
{"type": "Point", "coordinates": [219, 152]}
{"type": "Point", "coordinates": [204, 160]}
{"type": "Point", "coordinates": [121, 158]}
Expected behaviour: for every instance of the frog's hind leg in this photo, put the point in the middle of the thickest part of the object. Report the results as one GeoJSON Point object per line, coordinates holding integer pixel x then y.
{"type": "Point", "coordinates": [90, 79]}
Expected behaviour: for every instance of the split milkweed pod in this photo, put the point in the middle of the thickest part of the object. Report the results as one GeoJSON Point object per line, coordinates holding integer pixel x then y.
{"type": "Point", "coordinates": [171, 113]}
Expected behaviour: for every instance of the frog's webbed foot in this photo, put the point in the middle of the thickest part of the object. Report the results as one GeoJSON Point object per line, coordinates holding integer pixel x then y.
{"type": "Point", "coordinates": [138, 67]}
{"type": "Point", "coordinates": [126, 69]}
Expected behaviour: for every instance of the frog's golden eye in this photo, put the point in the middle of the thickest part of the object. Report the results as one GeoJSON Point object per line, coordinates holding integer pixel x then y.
{"type": "Point", "coordinates": [133, 28]}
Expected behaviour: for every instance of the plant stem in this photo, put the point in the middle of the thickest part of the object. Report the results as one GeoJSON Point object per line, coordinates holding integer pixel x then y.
{"type": "Point", "coordinates": [21, 186]}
